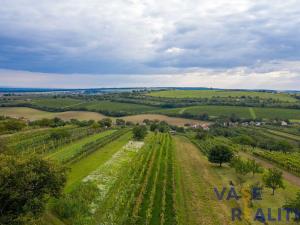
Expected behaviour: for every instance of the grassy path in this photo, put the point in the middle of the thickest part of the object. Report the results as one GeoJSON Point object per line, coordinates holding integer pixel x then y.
{"type": "Point", "coordinates": [196, 201]}
{"type": "Point", "coordinates": [252, 113]}
{"type": "Point", "coordinates": [85, 166]}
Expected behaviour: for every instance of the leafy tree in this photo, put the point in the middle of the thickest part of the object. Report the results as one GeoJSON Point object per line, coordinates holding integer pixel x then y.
{"type": "Point", "coordinates": [254, 167]}
{"type": "Point", "coordinates": [220, 154]}
{"type": "Point", "coordinates": [14, 125]}
{"type": "Point", "coordinates": [153, 126]}
{"type": "Point", "coordinates": [139, 132]}
{"type": "Point", "coordinates": [294, 204]}
{"type": "Point", "coordinates": [60, 134]}
{"type": "Point", "coordinates": [284, 146]}
{"type": "Point", "coordinates": [273, 179]}
{"type": "Point", "coordinates": [163, 127]}
{"type": "Point", "coordinates": [244, 140]}
{"type": "Point", "coordinates": [129, 123]}
{"type": "Point", "coordinates": [106, 122]}
{"type": "Point", "coordinates": [201, 135]}
{"type": "Point", "coordinates": [120, 122]}
{"type": "Point", "coordinates": [242, 168]}
{"type": "Point", "coordinates": [26, 184]}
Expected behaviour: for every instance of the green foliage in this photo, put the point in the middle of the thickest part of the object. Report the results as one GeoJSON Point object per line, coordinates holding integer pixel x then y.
{"type": "Point", "coordinates": [3, 145]}
{"type": "Point", "coordinates": [9, 125]}
{"type": "Point", "coordinates": [273, 179]}
{"type": "Point", "coordinates": [244, 140]}
{"type": "Point", "coordinates": [220, 154]}
{"type": "Point", "coordinates": [293, 204]}
{"type": "Point", "coordinates": [284, 146]}
{"type": "Point", "coordinates": [120, 122]}
{"type": "Point", "coordinates": [60, 134]}
{"type": "Point", "coordinates": [288, 161]}
{"type": "Point", "coordinates": [201, 135]}
{"type": "Point", "coordinates": [55, 122]}
{"type": "Point", "coordinates": [139, 132]}
{"type": "Point", "coordinates": [26, 184]}
{"type": "Point", "coordinates": [76, 206]}
{"type": "Point", "coordinates": [242, 168]}
{"type": "Point", "coordinates": [254, 166]}
{"type": "Point", "coordinates": [106, 122]}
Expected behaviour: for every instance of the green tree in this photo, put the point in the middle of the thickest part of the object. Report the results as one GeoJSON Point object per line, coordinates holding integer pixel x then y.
{"type": "Point", "coordinates": [120, 122]}
{"type": "Point", "coordinates": [26, 184]}
{"type": "Point", "coordinates": [106, 122]}
{"type": "Point", "coordinates": [60, 134]}
{"type": "Point", "coordinates": [153, 126]}
{"type": "Point", "coordinates": [220, 154]}
{"type": "Point", "coordinates": [242, 168]}
{"type": "Point", "coordinates": [293, 203]}
{"type": "Point", "coordinates": [284, 146]}
{"type": "Point", "coordinates": [273, 179]}
{"type": "Point", "coordinates": [139, 132]}
{"type": "Point", "coordinates": [254, 167]}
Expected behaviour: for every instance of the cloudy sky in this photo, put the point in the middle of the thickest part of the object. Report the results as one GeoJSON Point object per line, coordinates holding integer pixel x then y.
{"type": "Point", "coordinates": [117, 43]}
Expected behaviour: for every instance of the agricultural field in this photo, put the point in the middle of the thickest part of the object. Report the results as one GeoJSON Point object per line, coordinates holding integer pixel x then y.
{"type": "Point", "coordinates": [115, 106]}
{"type": "Point", "coordinates": [34, 114]}
{"type": "Point", "coordinates": [224, 94]}
{"type": "Point", "coordinates": [215, 111]}
{"type": "Point", "coordinates": [176, 121]}
{"type": "Point", "coordinates": [62, 103]}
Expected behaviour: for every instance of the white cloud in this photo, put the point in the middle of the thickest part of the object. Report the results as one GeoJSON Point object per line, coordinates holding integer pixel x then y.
{"type": "Point", "coordinates": [137, 34]}
{"type": "Point", "coordinates": [235, 78]}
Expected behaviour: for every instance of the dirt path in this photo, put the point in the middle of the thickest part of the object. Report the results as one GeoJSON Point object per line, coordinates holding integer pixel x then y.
{"type": "Point", "coordinates": [286, 175]}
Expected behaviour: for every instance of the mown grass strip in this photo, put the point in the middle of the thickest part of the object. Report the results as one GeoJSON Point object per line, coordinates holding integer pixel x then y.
{"type": "Point", "coordinates": [85, 166]}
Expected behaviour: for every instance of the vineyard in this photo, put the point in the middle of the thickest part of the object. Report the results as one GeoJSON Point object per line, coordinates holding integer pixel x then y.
{"type": "Point", "coordinates": [143, 193]}
{"type": "Point", "coordinates": [46, 140]}
{"type": "Point", "coordinates": [288, 161]}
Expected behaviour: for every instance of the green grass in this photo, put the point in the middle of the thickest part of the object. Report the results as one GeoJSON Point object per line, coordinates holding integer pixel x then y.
{"type": "Point", "coordinates": [56, 102]}
{"type": "Point", "coordinates": [285, 135]}
{"type": "Point", "coordinates": [216, 111]}
{"type": "Point", "coordinates": [115, 106]}
{"type": "Point", "coordinates": [85, 166]}
{"type": "Point", "coordinates": [243, 112]}
{"type": "Point", "coordinates": [252, 113]}
{"type": "Point", "coordinates": [277, 113]}
{"type": "Point", "coordinates": [68, 151]}
{"type": "Point", "coordinates": [220, 93]}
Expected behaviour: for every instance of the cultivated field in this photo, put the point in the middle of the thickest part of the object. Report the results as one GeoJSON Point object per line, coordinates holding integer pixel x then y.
{"type": "Point", "coordinates": [243, 112]}
{"type": "Point", "coordinates": [34, 114]}
{"type": "Point", "coordinates": [170, 120]}
{"type": "Point", "coordinates": [221, 93]}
